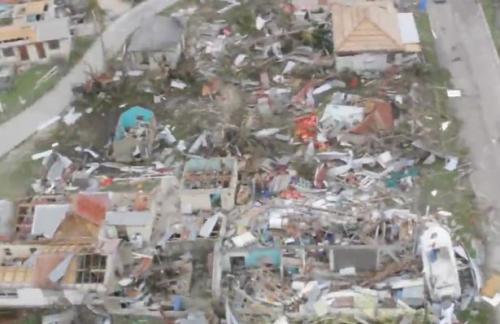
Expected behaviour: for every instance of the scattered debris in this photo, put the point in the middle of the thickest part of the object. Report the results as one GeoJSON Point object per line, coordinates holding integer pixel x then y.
{"type": "Point", "coordinates": [277, 181]}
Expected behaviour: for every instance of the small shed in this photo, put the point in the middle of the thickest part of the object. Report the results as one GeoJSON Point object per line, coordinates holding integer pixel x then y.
{"type": "Point", "coordinates": [157, 43]}
{"type": "Point", "coordinates": [134, 135]}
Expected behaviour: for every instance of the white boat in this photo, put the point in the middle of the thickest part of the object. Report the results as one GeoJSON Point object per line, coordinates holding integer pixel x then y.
{"type": "Point", "coordinates": [440, 265]}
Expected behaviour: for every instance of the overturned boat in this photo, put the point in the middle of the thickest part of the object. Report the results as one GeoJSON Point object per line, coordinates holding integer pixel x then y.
{"type": "Point", "coordinates": [440, 266]}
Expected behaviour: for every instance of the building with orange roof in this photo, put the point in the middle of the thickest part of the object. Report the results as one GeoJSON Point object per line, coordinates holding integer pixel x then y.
{"type": "Point", "coordinates": [40, 275]}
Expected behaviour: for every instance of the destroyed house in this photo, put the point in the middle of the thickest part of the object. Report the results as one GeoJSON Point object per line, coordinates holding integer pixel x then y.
{"type": "Point", "coordinates": [134, 135]}
{"type": "Point", "coordinates": [39, 216]}
{"type": "Point", "coordinates": [372, 36]}
{"type": "Point", "coordinates": [46, 275]}
{"type": "Point", "coordinates": [157, 43]}
{"type": "Point", "coordinates": [208, 184]}
{"type": "Point", "coordinates": [120, 215]}
{"type": "Point", "coordinates": [38, 42]}
{"type": "Point", "coordinates": [31, 12]}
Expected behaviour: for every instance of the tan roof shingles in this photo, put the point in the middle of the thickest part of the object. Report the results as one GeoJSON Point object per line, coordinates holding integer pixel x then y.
{"type": "Point", "coordinates": [12, 32]}
{"type": "Point", "coordinates": [31, 8]}
{"type": "Point", "coordinates": [366, 26]}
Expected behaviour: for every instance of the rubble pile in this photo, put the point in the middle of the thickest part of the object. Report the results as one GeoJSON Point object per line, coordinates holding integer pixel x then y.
{"type": "Point", "coordinates": [253, 181]}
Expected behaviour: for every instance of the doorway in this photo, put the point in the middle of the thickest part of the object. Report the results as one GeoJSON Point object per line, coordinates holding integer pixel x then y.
{"type": "Point", "coordinates": [40, 50]}
{"type": "Point", "coordinates": [23, 51]}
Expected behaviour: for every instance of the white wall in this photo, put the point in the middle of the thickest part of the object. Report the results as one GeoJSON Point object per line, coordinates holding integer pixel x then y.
{"type": "Point", "coordinates": [199, 199]}
{"type": "Point", "coordinates": [155, 58]}
{"type": "Point", "coordinates": [362, 62]}
{"type": "Point", "coordinates": [63, 52]}
{"type": "Point", "coordinates": [373, 61]}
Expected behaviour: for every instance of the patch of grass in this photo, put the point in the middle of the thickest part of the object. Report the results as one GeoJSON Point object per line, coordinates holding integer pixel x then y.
{"type": "Point", "coordinates": [243, 18]}
{"type": "Point", "coordinates": [80, 46]}
{"type": "Point", "coordinates": [24, 88]}
{"type": "Point", "coordinates": [452, 191]}
{"type": "Point", "coordinates": [480, 314]}
{"type": "Point", "coordinates": [489, 12]}
{"type": "Point", "coordinates": [24, 92]}
{"type": "Point", "coordinates": [182, 4]}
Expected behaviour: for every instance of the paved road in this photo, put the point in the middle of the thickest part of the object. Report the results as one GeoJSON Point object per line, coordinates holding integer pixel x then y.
{"type": "Point", "coordinates": [24, 125]}
{"type": "Point", "coordinates": [466, 48]}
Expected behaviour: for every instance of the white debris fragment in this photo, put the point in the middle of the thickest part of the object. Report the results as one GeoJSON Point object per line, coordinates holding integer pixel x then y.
{"type": "Point", "coordinates": [453, 93]}
{"type": "Point", "coordinates": [445, 125]}
{"type": "Point", "coordinates": [238, 61]}
{"type": "Point", "coordinates": [178, 84]}
{"type": "Point", "coordinates": [48, 123]}
{"type": "Point", "coordinates": [451, 163]}
{"type": "Point", "coordinates": [71, 117]}
{"type": "Point", "coordinates": [384, 159]}
{"type": "Point", "coordinates": [181, 146]}
{"type": "Point", "coordinates": [290, 65]}
{"type": "Point", "coordinates": [434, 193]}
{"type": "Point", "coordinates": [41, 155]}
{"type": "Point", "coordinates": [244, 239]}
{"type": "Point", "coordinates": [135, 73]}
{"type": "Point", "coordinates": [260, 23]}
{"type": "Point", "coordinates": [350, 271]}
{"type": "Point", "coordinates": [263, 133]}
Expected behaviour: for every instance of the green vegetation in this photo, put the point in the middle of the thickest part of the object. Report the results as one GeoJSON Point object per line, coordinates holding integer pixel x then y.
{"type": "Point", "coordinates": [491, 18]}
{"type": "Point", "coordinates": [441, 189]}
{"type": "Point", "coordinates": [183, 4]}
{"type": "Point", "coordinates": [95, 11]}
{"type": "Point", "coordinates": [25, 90]}
{"type": "Point", "coordinates": [80, 46]}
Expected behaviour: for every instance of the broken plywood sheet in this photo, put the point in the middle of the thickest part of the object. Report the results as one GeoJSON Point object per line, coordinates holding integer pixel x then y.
{"type": "Point", "coordinates": [47, 218]}
{"type": "Point", "coordinates": [208, 226]}
{"type": "Point", "coordinates": [491, 286]}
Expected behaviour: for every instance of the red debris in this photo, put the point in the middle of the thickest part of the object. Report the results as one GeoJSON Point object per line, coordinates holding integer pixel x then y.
{"type": "Point", "coordinates": [378, 117]}
{"type": "Point", "coordinates": [290, 193]}
{"type": "Point", "coordinates": [305, 127]}
{"type": "Point", "coordinates": [91, 207]}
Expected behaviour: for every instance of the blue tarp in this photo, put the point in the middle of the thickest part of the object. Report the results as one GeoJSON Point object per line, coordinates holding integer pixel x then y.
{"type": "Point", "coordinates": [257, 256]}
{"type": "Point", "coordinates": [422, 5]}
{"type": "Point", "coordinates": [177, 302]}
{"type": "Point", "coordinates": [128, 119]}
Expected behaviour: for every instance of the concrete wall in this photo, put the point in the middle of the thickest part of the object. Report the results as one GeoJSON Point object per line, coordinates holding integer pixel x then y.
{"type": "Point", "coordinates": [63, 52]}
{"type": "Point", "coordinates": [373, 62]}
{"type": "Point", "coordinates": [362, 62]}
{"type": "Point", "coordinates": [110, 231]}
{"type": "Point", "coordinates": [172, 56]}
{"type": "Point", "coordinates": [199, 199]}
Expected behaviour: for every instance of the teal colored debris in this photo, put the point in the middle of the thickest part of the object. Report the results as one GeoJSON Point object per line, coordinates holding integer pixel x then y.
{"type": "Point", "coordinates": [394, 178]}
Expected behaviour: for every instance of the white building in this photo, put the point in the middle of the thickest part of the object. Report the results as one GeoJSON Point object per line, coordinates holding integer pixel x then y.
{"type": "Point", "coordinates": [31, 12]}
{"type": "Point", "coordinates": [35, 43]}
{"type": "Point", "coordinates": [157, 43]}
{"type": "Point", "coordinates": [209, 184]}
{"type": "Point", "coordinates": [47, 275]}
